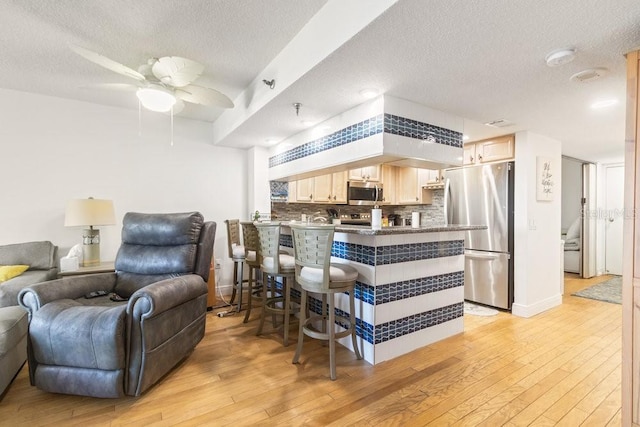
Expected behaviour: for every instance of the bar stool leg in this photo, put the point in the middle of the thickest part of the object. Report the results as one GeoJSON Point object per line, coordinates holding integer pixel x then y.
{"type": "Point", "coordinates": [239, 282]}
{"type": "Point", "coordinates": [251, 290]}
{"type": "Point", "coordinates": [352, 323]}
{"type": "Point", "coordinates": [265, 280]}
{"type": "Point", "coordinates": [235, 282]}
{"type": "Point", "coordinates": [304, 315]}
{"type": "Point", "coordinates": [332, 337]}
{"type": "Point", "coordinates": [286, 308]}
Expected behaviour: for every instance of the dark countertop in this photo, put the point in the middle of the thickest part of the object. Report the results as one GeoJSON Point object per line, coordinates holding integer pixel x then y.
{"type": "Point", "coordinates": [368, 231]}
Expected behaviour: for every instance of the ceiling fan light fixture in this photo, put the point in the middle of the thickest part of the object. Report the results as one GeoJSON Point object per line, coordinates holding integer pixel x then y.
{"type": "Point", "coordinates": [156, 99]}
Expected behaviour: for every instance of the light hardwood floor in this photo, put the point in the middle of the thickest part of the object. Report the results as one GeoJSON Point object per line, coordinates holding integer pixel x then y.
{"type": "Point", "coordinates": [561, 367]}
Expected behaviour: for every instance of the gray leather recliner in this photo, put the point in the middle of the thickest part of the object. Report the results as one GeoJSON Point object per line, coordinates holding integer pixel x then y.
{"type": "Point", "coordinates": [101, 348]}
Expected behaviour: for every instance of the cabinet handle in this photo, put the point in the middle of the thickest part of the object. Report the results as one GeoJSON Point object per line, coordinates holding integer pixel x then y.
{"type": "Point", "coordinates": [334, 197]}
{"type": "Point", "coordinates": [310, 196]}
{"type": "Point", "coordinates": [471, 159]}
{"type": "Point", "coordinates": [416, 199]}
{"type": "Point", "coordinates": [329, 197]}
{"type": "Point", "coordinates": [480, 157]}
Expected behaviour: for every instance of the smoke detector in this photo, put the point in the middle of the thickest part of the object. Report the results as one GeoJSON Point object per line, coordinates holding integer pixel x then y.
{"type": "Point", "coordinates": [560, 57]}
{"type": "Point", "coordinates": [589, 75]}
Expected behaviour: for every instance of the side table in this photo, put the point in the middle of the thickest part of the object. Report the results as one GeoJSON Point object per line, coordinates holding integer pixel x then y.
{"type": "Point", "coordinates": [103, 267]}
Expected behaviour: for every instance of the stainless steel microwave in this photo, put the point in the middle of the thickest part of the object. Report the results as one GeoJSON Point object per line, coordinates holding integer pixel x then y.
{"type": "Point", "coordinates": [364, 193]}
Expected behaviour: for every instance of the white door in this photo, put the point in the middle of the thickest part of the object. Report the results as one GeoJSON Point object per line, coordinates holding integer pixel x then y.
{"type": "Point", "coordinates": [614, 204]}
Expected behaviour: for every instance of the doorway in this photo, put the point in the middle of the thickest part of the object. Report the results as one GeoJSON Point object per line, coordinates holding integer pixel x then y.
{"type": "Point", "coordinates": [613, 218]}
{"type": "Point", "coordinates": [578, 230]}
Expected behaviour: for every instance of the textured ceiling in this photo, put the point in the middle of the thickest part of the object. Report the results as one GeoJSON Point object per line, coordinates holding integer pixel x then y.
{"type": "Point", "coordinates": [478, 60]}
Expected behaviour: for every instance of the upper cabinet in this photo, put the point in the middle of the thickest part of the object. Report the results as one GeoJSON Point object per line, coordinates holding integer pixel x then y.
{"type": "Point", "coordinates": [330, 188]}
{"type": "Point", "coordinates": [489, 150]}
{"type": "Point", "coordinates": [369, 173]}
{"type": "Point", "coordinates": [434, 178]}
{"type": "Point", "coordinates": [409, 189]}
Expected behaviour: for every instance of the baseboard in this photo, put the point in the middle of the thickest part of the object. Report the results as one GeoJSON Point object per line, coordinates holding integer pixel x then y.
{"type": "Point", "coordinates": [521, 310]}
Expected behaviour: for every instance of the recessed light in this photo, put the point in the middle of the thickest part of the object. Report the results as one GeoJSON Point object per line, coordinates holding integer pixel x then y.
{"type": "Point", "coordinates": [604, 103]}
{"type": "Point", "coordinates": [560, 57]}
{"type": "Point", "coordinates": [369, 93]}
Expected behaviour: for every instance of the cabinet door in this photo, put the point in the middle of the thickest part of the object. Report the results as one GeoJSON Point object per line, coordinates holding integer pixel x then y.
{"type": "Point", "coordinates": [407, 186]}
{"type": "Point", "coordinates": [388, 175]}
{"type": "Point", "coordinates": [369, 173]}
{"type": "Point", "coordinates": [339, 187]}
{"type": "Point", "coordinates": [372, 173]}
{"type": "Point", "coordinates": [469, 156]}
{"type": "Point", "coordinates": [304, 190]}
{"type": "Point", "coordinates": [501, 148]}
{"type": "Point", "coordinates": [322, 191]}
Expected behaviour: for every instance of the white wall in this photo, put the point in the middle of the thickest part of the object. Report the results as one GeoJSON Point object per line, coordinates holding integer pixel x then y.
{"type": "Point", "coordinates": [54, 150]}
{"type": "Point", "coordinates": [537, 263]}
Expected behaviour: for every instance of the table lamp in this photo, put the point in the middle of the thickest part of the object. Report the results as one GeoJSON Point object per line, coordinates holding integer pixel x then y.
{"type": "Point", "coordinates": [90, 212]}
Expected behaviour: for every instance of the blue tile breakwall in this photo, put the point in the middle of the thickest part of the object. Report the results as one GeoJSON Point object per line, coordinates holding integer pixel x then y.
{"type": "Point", "coordinates": [390, 254]}
{"type": "Point", "coordinates": [387, 123]}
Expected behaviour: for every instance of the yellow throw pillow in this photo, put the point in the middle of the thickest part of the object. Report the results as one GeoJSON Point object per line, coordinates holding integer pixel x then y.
{"type": "Point", "coordinates": [10, 271]}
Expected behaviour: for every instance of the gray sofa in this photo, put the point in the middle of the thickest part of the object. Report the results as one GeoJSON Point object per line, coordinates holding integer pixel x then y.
{"type": "Point", "coordinates": [41, 257]}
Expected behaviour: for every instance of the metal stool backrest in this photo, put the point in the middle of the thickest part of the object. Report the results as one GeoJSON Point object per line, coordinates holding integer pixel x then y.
{"type": "Point", "coordinates": [312, 248]}
{"type": "Point", "coordinates": [251, 241]}
{"type": "Point", "coordinates": [233, 234]}
{"type": "Point", "coordinates": [269, 234]}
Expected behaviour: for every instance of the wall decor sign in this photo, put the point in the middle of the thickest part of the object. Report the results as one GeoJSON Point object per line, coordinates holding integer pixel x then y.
{"type": "Point", "coordinates": [545, 179]}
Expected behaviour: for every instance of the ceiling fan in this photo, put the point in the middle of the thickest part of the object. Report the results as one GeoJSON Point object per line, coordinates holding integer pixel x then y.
{"type": "Point", "coordinates": [162, 84]}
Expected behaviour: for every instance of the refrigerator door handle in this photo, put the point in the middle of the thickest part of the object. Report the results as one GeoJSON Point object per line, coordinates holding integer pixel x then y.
{"type": "Point", "coordinates": [447, 202]}
{"type": "Point", "coordinates": [484, 255]}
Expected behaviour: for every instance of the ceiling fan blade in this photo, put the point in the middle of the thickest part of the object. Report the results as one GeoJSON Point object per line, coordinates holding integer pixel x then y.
{"type": "Point", "coordinates": [120, 87]}
{"type": "Point", "coordinates": [107, 63]}
{"type": "Point", "coordinates": [176, 71]}
{"type": "Point", "coordinates": [204, 96]}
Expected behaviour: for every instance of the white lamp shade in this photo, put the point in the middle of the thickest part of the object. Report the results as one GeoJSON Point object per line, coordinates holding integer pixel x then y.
{"type": "Point", "coordinates": [86, 212]}
{"type": "Point", "coordinates": [156, 99]}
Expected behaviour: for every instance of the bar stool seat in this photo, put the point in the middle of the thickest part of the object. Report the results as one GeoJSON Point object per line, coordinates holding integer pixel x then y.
{"type": "Point", "coordinates": [315, 273]}
{"type": "Point", "coordinates": [275, 265]}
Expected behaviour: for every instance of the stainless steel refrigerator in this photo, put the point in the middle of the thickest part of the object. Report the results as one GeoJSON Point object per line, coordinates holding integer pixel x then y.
{"type": "Point", "coordinates": [483, 195]}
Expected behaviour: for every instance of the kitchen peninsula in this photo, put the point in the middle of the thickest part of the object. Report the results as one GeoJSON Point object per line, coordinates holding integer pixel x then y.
{"type": "Point", "coordinates": [410, 287]}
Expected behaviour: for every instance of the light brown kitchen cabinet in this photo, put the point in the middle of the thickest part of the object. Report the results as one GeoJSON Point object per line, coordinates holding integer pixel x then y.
{"type": "Point", "coordinates": [388, 175]}
{"type": "Point", "coordinates": [409, 186]}
{"type": "Point", "coordinates": [329, 188]}
{"type": "Point", "coordinates": [435, 178]}
{"type": "Point", "coordinates": [369, 173]}
{"type": "Point", "coordinates": [489, 150]}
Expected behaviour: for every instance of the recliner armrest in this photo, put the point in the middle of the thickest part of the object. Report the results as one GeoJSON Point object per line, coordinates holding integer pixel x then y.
{"type": "Point", "coordinates": [35, 296]}
{"type": "Point", "coordinates": [164, 295]}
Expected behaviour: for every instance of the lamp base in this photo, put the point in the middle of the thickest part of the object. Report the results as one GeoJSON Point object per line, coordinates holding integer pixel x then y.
{"type": "Point", "coordinates": [90, 247]}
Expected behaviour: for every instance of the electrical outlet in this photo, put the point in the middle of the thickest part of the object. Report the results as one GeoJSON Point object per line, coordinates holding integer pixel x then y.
{"type": "Point", "coordinates": [218, 264]}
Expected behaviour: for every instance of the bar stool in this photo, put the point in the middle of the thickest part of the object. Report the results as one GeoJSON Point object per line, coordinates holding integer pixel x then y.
{"type": "Point", "coordinates": [237, 254]}
{"type": "Point", "coordinates": [274, 265]}
{"type": "Point", "coordinates": [315, 273]}
{"type": "Point", "coordinates": [251, 250]}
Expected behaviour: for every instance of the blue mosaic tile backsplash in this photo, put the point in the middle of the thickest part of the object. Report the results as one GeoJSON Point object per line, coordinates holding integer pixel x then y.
{"type": "Point", "coordinates": [388, 123]}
